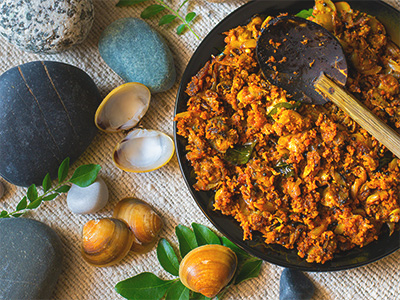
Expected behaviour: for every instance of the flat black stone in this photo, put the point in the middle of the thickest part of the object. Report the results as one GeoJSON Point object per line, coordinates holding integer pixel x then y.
{"type": "Point", "coordinates": [30, 259]}
{"type": "Point", "coordinates": [46, 114]}
{"type": "Point", "coordinates": [294, 285]}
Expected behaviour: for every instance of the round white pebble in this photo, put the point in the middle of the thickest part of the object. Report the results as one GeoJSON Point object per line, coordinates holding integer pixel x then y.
{"type": "Point", "coordinates": [89, 199]}
{"type": "Point", "coordinates": [1, 189]}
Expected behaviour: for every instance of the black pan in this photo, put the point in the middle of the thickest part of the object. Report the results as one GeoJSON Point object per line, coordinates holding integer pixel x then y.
{"type": "Point", "coordinates": [276, 254]}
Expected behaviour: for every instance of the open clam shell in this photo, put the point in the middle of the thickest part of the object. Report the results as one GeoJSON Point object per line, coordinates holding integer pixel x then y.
{"type": "Point", "coordinates": [143, 151]}
{"type": "Point", "coordinates": [123, 107]}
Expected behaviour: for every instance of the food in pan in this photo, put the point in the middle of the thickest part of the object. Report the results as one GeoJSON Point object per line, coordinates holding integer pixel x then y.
{"type": "Point", "coordinates": [307, 177]}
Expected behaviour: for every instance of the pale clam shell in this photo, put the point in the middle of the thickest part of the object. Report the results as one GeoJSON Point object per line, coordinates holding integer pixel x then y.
{"type": "Point", "coordinates": [143, 151]}
{"type": "Point", "coordinates": [123, 107]}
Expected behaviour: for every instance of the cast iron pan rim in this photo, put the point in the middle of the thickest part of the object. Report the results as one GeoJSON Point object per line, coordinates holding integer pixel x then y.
{"type": "Point", "coordinates": [312, 267]}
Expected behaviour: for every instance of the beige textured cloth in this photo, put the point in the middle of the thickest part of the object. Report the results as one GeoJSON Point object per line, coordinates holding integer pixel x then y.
{"type": "Point", "coordinates": [164, 188]}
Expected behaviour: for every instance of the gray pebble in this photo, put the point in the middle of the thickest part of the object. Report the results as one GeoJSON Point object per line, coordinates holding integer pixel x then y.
{"type": "Point", "coordinates": [45, 26]}
{"type": "Point", "coordinates": [294, 285]}
{"type": "Point", "coordinates": [30, 259]}
{"type": "Point", "coordinates": [1, 189]}
{"type": "Point", "coordinates": [89, 199]}
{"type": "Point", "coordinates": [137, 53]}
{"type": "Point", "coordinates": [54, 120]}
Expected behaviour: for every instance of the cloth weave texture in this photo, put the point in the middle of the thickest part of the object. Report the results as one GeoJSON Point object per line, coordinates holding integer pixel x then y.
{"type": "Point", "coordinates": [165, 188]}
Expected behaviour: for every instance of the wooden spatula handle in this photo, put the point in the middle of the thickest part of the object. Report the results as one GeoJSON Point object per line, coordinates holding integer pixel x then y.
{"type": "Point", "coordinates": [359, 113]}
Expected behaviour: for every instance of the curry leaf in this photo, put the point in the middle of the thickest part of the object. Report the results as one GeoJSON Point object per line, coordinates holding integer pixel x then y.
{"type": "Point", "coordinates": [35, 204]}
{"type": "Point", "coordinates": [284, 168]}
{"type": "Point", "coordinates": [286, 105]}
{"type": "Point", "coordinates": [305, 13]}
{"type": "Point", "coordinates": [63, 170]}
{"type": "Point", "coordinates": [32, 193]}
{"type": "Point", "coordinates": [167, 257]}
{"type": "Point", "coordinates": [177, 292]}
{"type": "Point", "coordinates": [190, 16]}
{"type": "Point", "coordinates": [63, 189]}
{"type": "Point", "coordinates": [166, 19]}
{"type": "Point", "coordinates": [46, 184]}
{"type": "Point", "coordinates": [241, 254]}
{"type": "Point", "coordinates": [204, 235]}
{"type": "Point", "coordinates": [198, 296]}
{"type": "Point", "coordinates": [250, 269]}
{"type": "Point", "coordinates": [50, 197]}
{"type": "Point", "coordinates": [85, 175]}
{"type": "Point", "coordinates": [186, 238]}
{"type": "Point", "coordinates": [22, 204]}
{"type": "Point", "coordinates": [152, 10]}
{"type": "Point", "coordinates": [240, 155]}
{"type": "Point", "coordinates": [383, 161]}
{"type": "Point", "coordinates": [4, 214]}
{"type": "Point", "coordinates": [143, 286]}
{"type": "Point", "coordinates": [180, 29]}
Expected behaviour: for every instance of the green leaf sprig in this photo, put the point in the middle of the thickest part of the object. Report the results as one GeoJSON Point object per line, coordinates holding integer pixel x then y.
{"type": "Point", "coordinates": [155, 9]}
{"type": "Point", "coordinates": [148, 286]}
{"type": "Point", "coordinates": [305, 13]}
{"type": "Point", "coordinates": [83, 176]}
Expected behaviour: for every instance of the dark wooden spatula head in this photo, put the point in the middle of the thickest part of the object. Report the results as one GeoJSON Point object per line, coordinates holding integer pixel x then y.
{"type": "Point", "coordinates": [292, 53]}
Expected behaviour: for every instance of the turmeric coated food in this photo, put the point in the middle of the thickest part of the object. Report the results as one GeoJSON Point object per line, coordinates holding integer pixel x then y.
{"type": "Point", "coordinates": [306, 177]}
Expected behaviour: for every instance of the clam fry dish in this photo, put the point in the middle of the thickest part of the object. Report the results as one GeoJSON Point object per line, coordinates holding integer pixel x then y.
{"type": "Point", "coordinates": [307, 177]}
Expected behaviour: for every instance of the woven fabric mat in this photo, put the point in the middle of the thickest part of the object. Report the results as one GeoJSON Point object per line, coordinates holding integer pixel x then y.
{"type": "Point", "coordinates": [164, 188]}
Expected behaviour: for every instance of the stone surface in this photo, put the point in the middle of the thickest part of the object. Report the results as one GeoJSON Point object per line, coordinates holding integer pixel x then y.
{"type": "Point", "coordinates": [1, 189]}
{"type": "Point", "coordinates": [46, 114]}
{"type": "Point", "coordinates": [294, 285]}
{"type": "Point", "coordinates": [30, 259]}
{"type": "Point", "coordinates": [88, 200]}
{"type": "Point", "coordinates": [138, 53]}
{"type": "Point", "coordinates": [45, 26]}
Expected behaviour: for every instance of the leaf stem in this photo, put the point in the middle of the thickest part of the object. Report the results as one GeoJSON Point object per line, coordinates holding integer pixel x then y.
{"type": "Point", "coordinates": [23, 211]}
{"type": "Point", "coordinates": [180, 6]}
{"type": "Point", "coordinates": [176, 13]}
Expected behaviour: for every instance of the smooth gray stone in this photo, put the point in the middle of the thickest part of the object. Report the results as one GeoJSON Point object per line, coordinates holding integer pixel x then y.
{"type": "Point", "coordinates": [30, 259]}
{"type": "Point", "coordinates": [294, 285]}
{"type": "Point", "coordinates": [137, 53]}
{"type": "Point", "coordinates": [1, 189]}
{"type": "Point", "coordinates": [47, 110]}
{"type": "Point", "coordinates": [45, 26]}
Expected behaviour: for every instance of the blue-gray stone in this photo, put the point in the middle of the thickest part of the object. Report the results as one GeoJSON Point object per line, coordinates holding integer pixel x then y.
{"type": "Point", "coordinates": [138, 53]}
{"type": "Point", "coordinates": [294, 285]}
{"type": "Point", "coordinates": [1, 189]}
{"type": "Point", "coordinates": [45, 26]}
{"type": "Point", "coordinates": [31, 257]}
{"type": "Point", "coordinates": [46, 114]}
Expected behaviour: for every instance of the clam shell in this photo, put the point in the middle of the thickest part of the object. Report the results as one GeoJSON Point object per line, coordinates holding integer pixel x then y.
{"type": "Point", "coordinates": [144, 222]}
{"type": "Point", "coordinates": [123, 107]}
{"type": "Point", "coordinates": [208, 269]}
{"type": "Point", "coordinates": [105, 242]}
{"type": "Point", "coordinates": [143, 151]}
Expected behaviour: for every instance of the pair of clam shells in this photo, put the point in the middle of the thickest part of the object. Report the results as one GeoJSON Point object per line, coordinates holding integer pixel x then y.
{"type": "Point", "coordinates": [141, 150]}
{"type": "Point", "coordinates": [134, 226]}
